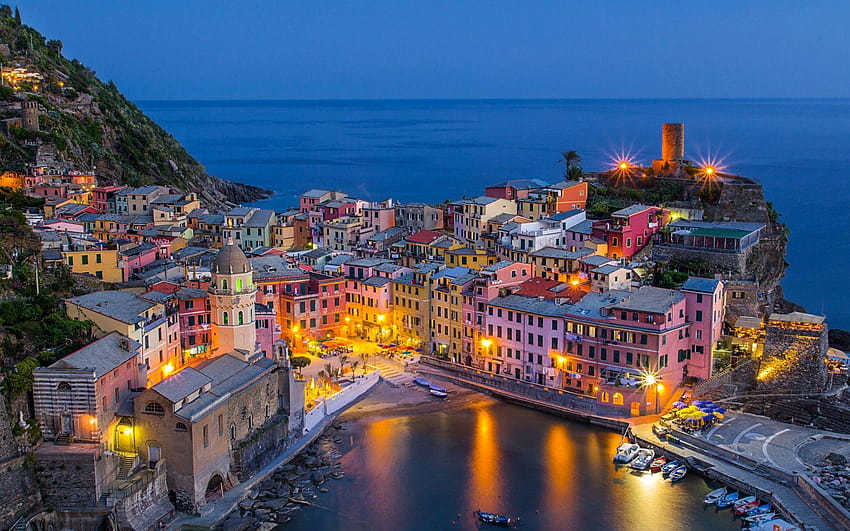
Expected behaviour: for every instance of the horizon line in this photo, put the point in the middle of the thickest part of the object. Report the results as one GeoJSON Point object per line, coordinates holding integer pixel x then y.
{"type": "Point", "coordinates": [484, 99]}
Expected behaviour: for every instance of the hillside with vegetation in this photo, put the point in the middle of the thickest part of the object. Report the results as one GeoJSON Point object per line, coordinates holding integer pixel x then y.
{"type": "Point", "coordinates": [91, 124]}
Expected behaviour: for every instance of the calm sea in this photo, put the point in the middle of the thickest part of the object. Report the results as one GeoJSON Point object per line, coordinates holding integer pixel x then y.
{"type": "Point", "coordinates": [444, 149]}
{"type": "Point", "coordinates": [431, 471]}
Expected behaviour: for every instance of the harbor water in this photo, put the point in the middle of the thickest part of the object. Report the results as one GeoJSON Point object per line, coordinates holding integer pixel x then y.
{"type": "Point", "coordinates": [431, 471]}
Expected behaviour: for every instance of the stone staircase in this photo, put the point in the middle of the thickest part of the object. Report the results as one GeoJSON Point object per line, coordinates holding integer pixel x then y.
{"type": "Point", "coordinates": [391, 372]}
{"type": "Point", "coordinates": [64, 439]}
{"type": "Point", "coordinates": [126, 467]}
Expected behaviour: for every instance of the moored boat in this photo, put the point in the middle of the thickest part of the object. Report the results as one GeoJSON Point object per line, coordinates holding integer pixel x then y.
{"type": "Point", "coordinates": [657, 463]}
{"type": "Point", "coordinates": [740, 502]}
{"type": "Point", "coordinates": [761, 509]}
{"type": "Point", "coordinates": [669, 467]}
{"type": "Point", "coordinates": [626, 452]}
{"type": "Point", "coordinates": [728, 500]}
{"type": "Point", "coordinates": [741, 510]}
{"type": "Point", "coordinates": [678, 474]}
{"type": "Point", "coordinates": [435, 387]}
{"type": "Point", "coordinates": [643, 458]}
{"type": "Point", "coordinates": [715, 495]}
{"type": "Point", "coordinates": [760, 518]}
{"type": "Point", "coordinates": [424, 382]}
{"type": "Point", "coordinates": [496, 519]}
{"type": "Point", "coordinates": [438, 394]}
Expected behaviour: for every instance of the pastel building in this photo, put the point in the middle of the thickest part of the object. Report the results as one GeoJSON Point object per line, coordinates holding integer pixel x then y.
{"type": "Point", "coordinates": [630, 229]}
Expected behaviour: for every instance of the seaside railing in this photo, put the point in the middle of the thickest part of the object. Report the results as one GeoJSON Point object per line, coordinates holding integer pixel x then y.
{"type": "Point", "coordinates": [550, 395]}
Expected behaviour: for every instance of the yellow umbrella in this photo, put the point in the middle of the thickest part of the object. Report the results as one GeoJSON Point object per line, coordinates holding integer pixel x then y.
{"type": "Point", "coordinates": [718, 415]}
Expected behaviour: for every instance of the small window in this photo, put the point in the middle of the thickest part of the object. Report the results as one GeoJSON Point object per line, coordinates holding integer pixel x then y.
{"type": "Point", "coordinates": [154, 408]}
{"type": "Point", "coordinates": [180, 427]}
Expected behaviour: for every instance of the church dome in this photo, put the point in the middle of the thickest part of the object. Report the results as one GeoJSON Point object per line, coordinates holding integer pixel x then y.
{"type": "Point", "coordinates": [230, 260]}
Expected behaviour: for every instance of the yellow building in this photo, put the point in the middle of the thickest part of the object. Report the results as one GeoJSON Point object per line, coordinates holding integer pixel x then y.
{"type": "Point", "coordinates": [101, 263]}
{"type": "Point", "coordinates": [447, 287]}
{"type": "Point", "coordinates": [141, 320]}
{"type": "Point", "coordinates": [472, 258]}
{"type": "Point", "coordinates": [412, 303]}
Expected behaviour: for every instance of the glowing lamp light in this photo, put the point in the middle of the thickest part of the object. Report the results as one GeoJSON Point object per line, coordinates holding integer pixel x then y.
{"type": "Point", "coordinates": [709, 170]}
{"type": "Point", "coordinates": [486, 343]}
{"type": "Point", "coordinates": [574, 282]}
{"type": "Point", "coordinates": [127, 431]}
{"type": "Point", "coordinates": [650, 379]}
{"type": "Point", "coordinates": [92, 421]}
{"type": "Point", "coordinates": [561, 359]}
{"type": "Point", "coordinates": [381, 318]}
{"type": "Point", "coordinates": [660, 387]}
{"type": "Point", "coordinates": [168, 369]}
{"type": "Point", "coordinates": [348, 319]}
{"type": "Point", "coordinates": [624, 165]}
{"type": "Point", "coordinates": [294, 329]}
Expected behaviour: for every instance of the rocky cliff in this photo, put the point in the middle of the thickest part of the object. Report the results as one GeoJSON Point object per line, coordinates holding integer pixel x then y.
{"type": "Point", "coordinates": [88, 124]}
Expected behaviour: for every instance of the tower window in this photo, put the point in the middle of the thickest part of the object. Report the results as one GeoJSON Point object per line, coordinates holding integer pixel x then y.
{"type": "Point", "coordinates": [224, 318]}
{"type": "Point", "coordinates": [240, 318]}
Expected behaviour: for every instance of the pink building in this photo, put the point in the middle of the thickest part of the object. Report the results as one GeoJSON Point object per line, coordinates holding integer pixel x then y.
{"type": "Point", "coordinates": [630, 229]}
{"type": "Point", "coordinates": [490, 281]}
{"type": "Point", "coordinates": [103, 198]}
{"type": "Point", "coordinates": [705, 313]}
{"type": "Point", "coordinates": [79, 395]}
{"type": "Point", "coordinates": [137, 256]}
{"type": "Point", "coordinates": [376, 217]}
{"type": "Point", "coordinates": [265, 320]}
{"type": "Point", "coordinates": [605, 346]}
{"type": "Point", "coordinates": [513, 189]}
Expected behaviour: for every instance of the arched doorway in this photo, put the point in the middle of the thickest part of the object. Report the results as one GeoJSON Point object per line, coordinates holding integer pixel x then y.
{"type": "Point", "coordinates": [215, 488]}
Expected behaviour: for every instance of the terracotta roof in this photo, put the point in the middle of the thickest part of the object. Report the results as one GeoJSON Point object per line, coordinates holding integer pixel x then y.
{"type": "Point", "coordinates": [423, 236]}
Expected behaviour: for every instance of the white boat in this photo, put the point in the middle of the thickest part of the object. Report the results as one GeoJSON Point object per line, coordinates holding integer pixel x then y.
{"type": "Point", "coordinates": [438, 394]}
{"type": "Point", "coordinates": [759, 518]}
{"type": "Point", "coordinates": [678, 474]}
{"type": "Point", "coordinates": [643, 458]}
{"type": "Point", "coordinates": [626, 452]}
{"type": "Point", "coordinates": [743, 501]}
{"type": "Point", "coordinates": [715, 495]}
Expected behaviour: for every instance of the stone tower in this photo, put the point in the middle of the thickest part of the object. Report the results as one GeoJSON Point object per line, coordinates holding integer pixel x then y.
{"type": "Point", "coordinates": [30, 115]}
{"type": "Point", "coordinates": [672, 142]}
{"type": "Point", "coordinates": [232, 293]}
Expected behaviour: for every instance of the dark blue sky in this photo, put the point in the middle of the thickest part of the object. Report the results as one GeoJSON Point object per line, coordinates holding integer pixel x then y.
{"type": "Point", "coordinates": [191, 49]}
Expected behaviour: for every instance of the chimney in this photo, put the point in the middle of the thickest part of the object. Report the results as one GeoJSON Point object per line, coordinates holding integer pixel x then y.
{"type": "Point", "coordinates": [672, 142]}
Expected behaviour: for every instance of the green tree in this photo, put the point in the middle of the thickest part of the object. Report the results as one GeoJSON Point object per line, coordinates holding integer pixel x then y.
{"type": "Point", "coordinates": [574, 173]}
{"type": "Point", "coordinates": [571, 158]}
{"type": "Point", "coordinates": [299, 362]}
{"type": "Point", "coordinates": [17, 15]}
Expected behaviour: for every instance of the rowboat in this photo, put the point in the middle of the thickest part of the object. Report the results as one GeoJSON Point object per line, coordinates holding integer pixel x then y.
{"type": "Point", "coordinates": [740, 502]}
{"type": "Point", "coordinates": [761, 509]}
{"type": "Point", "coordinates": [715, 495]}
{"type": "Point", "coordinates": [643, 459]}
{"type": "Point", "coordinates": [659, 462]}
{"type": "Point", "coordinates": [669, 467]}
{"type": "Point", "coordinates": [741, 510]}
{"type": "Point", "coordinates": [678, 474]}
{"type": "Point", "coordinates": [728, 500]}
{"type": "Point", "coordinates": [438, 394]}
{"type": "Point", "coordinates": [424, 382]}
{"type": "Point", "coordinates": [496, 519]}
{"type": "Point", "coordinates": [626, 452]}
{"type": "Point", "coordinates": [435, 387]}
{"type": "Point", "coordinates": [759, 518]}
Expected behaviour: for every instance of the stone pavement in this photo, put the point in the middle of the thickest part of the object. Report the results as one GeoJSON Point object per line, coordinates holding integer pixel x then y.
{"type": "Point", "coordinates": [784, 446]}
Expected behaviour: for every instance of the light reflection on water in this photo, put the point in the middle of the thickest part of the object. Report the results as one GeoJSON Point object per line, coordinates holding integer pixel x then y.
{"type": "Point", "coordinates": [432, 471]}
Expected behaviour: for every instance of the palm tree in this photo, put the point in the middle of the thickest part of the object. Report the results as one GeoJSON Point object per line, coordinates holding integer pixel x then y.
{"type": "Point", "coordinates": [365, 358]}
{"type": "Point", "coordinates": [322, 376]}
{"type": "Point", "coordinates": [329, 369]}
{"type": "Point", "coordinates": [354, 365]}
{"type": "Point", "coordinates": [571, 158]}
{"type": "Point", "coordinates": [342, 359]}
{"type": "Point", "coordinates": [574, 173]}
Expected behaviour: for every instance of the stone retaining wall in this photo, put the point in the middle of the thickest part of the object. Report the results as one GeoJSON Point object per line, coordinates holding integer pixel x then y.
{"type": "Point", "coordinates": [823, 501]}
